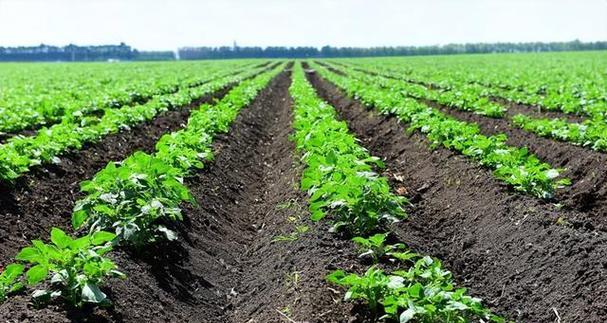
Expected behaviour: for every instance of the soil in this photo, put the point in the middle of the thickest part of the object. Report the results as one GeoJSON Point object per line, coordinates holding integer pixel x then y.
{"type": "Point", "coordinates": [513, 107]}
{"type": "Point", "coordinates": [45, 197]}
{"type": "Point", "coordinates": [225, 267]}
{"type": "Point", "coordinates": [510, 250]}
{"type": "Point", "coordinates": [586, 168]}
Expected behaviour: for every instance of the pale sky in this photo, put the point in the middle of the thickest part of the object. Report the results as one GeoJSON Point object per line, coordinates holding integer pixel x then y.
{"type": "Point", "coordinates": [169, 24]}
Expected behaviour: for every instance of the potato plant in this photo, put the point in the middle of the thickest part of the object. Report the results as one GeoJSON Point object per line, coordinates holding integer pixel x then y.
{"type": "Point", "coordinates": [515, 166]}
{"type": "Point", "coordinates": [70, 268]}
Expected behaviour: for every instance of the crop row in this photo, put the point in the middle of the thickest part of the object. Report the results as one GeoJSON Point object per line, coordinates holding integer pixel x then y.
{"type": "Point", "coordinates": [50, 95]}
{"type": "Point", "coordinates": [571, 83]}
{"type": "Point", "coordinates": [20, 153]}
{"type": "Point", "coordinates": [590, 133]}
{"type": "Point", "coordinates": [515, 166]}
{"type": "Point", "coordinates": [130, 203]}
{"type": "Point", "coordinates": [340, 180]}
{"type": "Point", "coordinates": [466, 98]}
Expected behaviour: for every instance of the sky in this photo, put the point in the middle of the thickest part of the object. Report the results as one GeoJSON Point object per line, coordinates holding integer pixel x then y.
{"type": "Point", "coordinates": [169, 24]}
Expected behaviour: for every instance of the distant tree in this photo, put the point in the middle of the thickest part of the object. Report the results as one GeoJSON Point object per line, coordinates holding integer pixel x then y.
{"type": "Point", "coordinates": [122, 51]}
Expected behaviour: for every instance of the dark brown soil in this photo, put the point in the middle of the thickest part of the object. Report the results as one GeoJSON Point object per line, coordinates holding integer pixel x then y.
{"type": "Point", "coordinates": [536, 112]}
{"type": "Point", "coordinates": [45, 197]}
{"type": "Point", "coordinates": [505, 246]}
{"type": "Point", "coordinates": [586, 168]}
{"type": "Point", "coordinates": [513, 108]}
{"type": "Point", "coordinates": [225, 267]}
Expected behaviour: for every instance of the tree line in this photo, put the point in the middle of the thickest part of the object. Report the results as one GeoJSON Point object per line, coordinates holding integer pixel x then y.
{"type": "Point", "coordinates": [124, 52]}
{"type": "Point", "coordinates": [69, 53]}
{"type": "Point", "coordinates": [329, 51]}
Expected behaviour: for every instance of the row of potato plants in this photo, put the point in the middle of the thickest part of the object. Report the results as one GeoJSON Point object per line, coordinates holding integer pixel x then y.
{"type": "Point", "coordinates": [567, 82]}
{"type": "Point", "coordinates": [21, 153]}
{"type": "Point", "coordinates": [130, 203]}
{"type": "Point", "coordinates": [466, 98]}
{"type": "Point", "coordinates": [342, 184]}
{"type": "Point", "coordinates": [36, 95]}
{"type": "Point", "coordinates": [591, 132]}
{"type": "Point", "coordinates": [515, 166]}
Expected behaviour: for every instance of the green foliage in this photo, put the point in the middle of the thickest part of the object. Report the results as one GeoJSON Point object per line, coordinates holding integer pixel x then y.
{"type": "Point", "coordinates": [339, 174]}
{"type": "Point", "coordinates": [375, 247]}
{"type": "Point", "coordinates": [71, 268]}
{"type": "Point", "coordinates": [137, 197]}
{"type": "Point", "coordinates": [591, 133]}
{"type": "Point", "coordinates": [20, 153]}
{"type": "Point", "coordinates": [568, 82]}
{"type": "Point", "coordinates": [423, 293]}
{"type": "Point", "coordinates": [515, 166]}
{"type": "Point", "coordinates": [10, 280]}
{"type": "Point", "coordinates": [132, 199]}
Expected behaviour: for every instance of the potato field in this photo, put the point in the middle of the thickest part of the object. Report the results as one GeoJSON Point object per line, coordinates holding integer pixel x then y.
{"type": "Point", "coordinates": [463, 188]}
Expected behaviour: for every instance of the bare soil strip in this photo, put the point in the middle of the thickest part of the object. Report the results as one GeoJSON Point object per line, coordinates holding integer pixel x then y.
{"type": "Point", "coordinates": [225, 267]}
{"type": "Point", "coordinates": [508, 249]}
{"type": "Point", "coordinates": [586, 168]}
{"type": "Point", "coordinates": [536, 112]}
{"type": "Point", "coordinates": [45, 197]}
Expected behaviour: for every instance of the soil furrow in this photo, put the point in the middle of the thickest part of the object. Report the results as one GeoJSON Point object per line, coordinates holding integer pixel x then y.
{"type": "Point", "coordinates": [510, 251]}
{"type": "Point", "coordinates": [225, 267]}
{"type": "Point", "coordinates": [45, 197]}
{"type": "Point", "coordinates": [536, 112]}
{"type": "Point", "coordinates": [586, 168]}
{"type": "Point", "coordinates": [513, 107]}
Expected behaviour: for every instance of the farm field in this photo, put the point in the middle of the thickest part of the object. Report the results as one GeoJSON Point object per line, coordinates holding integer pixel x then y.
{"type": "Point", "coordinates": [463, 188]}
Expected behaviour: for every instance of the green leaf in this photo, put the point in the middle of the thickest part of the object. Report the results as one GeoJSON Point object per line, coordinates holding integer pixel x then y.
{"type": "Point", "coordinates": [317, 215]}
{"type": "Point", "coordinates": [11, 272]}
{"type": "Point", "coordinates": [416, 290]}
{"type": "Point", "coordinates": [29, 254]}
{"type": "Point", "coordinates": [102, 237]}
{"type": "Point", "coordinates": [78, 218]}
{"type": "Point", "coordinates": [36, 274]}
{"type": "Point", "coordinates": [60, 239]}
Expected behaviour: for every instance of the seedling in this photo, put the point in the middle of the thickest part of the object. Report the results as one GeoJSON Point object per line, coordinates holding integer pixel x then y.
{"type": "Point", "coordinates": [424, 293]}
{"type": "Point", "coordinates": [375, 247]}
{"type": "Point", "coordinates": [72, 269]}
{"type": "Point", "coordinates": [10, 280]}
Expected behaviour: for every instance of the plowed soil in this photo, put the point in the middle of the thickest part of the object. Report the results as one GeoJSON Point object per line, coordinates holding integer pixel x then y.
{"type": "Point", "coordinates": [506, 247]}
{"type": "Point", "coordinates": [229, 264]}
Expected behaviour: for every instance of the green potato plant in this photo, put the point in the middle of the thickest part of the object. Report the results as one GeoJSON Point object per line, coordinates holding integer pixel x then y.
{"type": "Point", "coordinates": [376, 247]}
{"type": "Point", "coordinates": [70, 268]}
{"type": "Point", "coordinates": [423, 293]}
{"type": "Point", "coordinates": [339, 175]}
{"type": "Point", "coordinates": [515, 166]}
{"type": "Point", "coordinates": [10, 280]}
